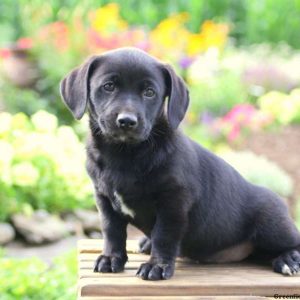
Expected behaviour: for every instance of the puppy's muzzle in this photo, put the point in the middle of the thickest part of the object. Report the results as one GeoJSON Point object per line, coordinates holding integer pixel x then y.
{"type": "Point", "coordinates": [127, 121]}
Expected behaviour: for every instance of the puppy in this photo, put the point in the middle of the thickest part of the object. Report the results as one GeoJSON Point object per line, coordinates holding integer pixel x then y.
{"type": "Point", "coordinates": [185, 199]}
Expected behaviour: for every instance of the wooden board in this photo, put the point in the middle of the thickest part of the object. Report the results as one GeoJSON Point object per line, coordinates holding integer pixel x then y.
{"type": "Point", "coordinates": [191, 280]}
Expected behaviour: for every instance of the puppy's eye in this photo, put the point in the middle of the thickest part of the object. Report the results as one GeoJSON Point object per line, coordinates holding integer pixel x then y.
{"type": "Point", "coordinates": [109, 86]}
{"type": "Point", "coordinates": [149, 93]}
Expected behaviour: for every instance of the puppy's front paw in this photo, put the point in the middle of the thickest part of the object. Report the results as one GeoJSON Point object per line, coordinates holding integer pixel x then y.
{"type": "Point", "coordinates": [288, 263]}
{"type": "Point", "coordinates": [149, 271]}
{"type": "Point", "coordinates": [108, 264]}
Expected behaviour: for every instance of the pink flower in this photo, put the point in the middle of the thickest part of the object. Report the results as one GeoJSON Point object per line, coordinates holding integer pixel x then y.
{"type": "Point", "coordinates": [241, 114]}
{"type": "Point", "coordinates": [98, 41]}
{"type": "Point", "coordinates": [241, 117]}
{"type": "Point", "coordinates": [234, 133]}
{"type": "Point", "coordinates": [5, 53]}
{"type": "Point", "coordinates": [25, 43]}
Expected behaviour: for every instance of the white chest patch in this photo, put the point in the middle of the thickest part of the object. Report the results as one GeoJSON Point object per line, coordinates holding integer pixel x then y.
{"type": "Point", "coordinates": [123, 207]}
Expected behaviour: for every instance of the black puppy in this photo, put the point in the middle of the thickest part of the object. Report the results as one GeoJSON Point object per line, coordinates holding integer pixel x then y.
{"type": "Point", "coordinates": [185, 199]}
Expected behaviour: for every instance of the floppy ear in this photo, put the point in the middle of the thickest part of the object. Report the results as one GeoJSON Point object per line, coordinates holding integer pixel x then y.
{"type": "Point", "coordinates": [74, 88]}
{"type": "Point", "coordinates": [178, 97]}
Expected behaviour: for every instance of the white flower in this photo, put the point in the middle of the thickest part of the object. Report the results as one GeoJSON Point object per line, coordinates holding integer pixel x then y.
{"type": "Point", "coordinates": [5, 122]}
{"type": "Point", "coordinates": [6, 157]}
{"type": "Point", "coordinates": [44, 121]}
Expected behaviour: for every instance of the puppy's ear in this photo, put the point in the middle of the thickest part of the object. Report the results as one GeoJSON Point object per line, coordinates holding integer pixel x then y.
{"type": "Point", "coordinates": [178, 97]}
{"type": "Point", "coordinates": [74, 88]}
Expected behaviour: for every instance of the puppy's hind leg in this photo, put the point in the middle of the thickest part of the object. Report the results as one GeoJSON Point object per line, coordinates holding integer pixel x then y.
{"type": "Point", "coordinates": [276, 233]}
{"type": "Point", "coordinates": [288, 263]}
{"type": "Point", "coordinates": [145, 245]}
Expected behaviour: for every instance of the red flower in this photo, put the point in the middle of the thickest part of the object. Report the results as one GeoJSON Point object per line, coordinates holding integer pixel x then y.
{"type": "Point", "coordinates": [57, 33]}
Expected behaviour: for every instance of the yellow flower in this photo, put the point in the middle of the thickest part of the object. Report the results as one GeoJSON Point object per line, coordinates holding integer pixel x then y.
{"type": "Point", "coordinates": [211, 35]}
{"type": "Point", "coordinates": [295, 99]}
{"type": "Point", "coordinates": [44, 122]}
{"type": "Point", "coordinates": [272, 102]}
{"type": "Point", "coordinates": [107, 19]}
{"type": "Point", "coordinates": [214, 34]}
{"type": "Point", "coordinates": [195, 44]}
{"type": "Point", "coordinates": [285, 108]}
{"type": "Point", "coordinates": [170, 33]}
{"type": "Point", "coordinates": [20, 121]}
{"type": "Point", "coordinates": [25, 174]}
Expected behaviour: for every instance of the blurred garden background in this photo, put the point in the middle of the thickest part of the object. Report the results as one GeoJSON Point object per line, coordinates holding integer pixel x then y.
{"type": "Point", "coordinates": [240, 59]}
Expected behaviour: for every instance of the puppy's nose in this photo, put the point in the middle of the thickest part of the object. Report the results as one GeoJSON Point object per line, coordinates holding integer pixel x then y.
{"type": "Point", "coordinates": [127, 121]}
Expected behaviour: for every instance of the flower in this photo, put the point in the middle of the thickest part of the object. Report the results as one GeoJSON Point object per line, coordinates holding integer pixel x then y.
{"type": "Point", "coordinates": [210, 35]}
{"type": "Point", "coordinates": [164, 37]}
{"type": "Point", "coordinates": [5, 53]}
{"type": "Point", "coordinates": [243, 116]}
{"type": "Point", "coordinates": [204, 67]}
{"type": "Point", "coordinates": [20, 121]}
{"type": "Point", "coordinates": [25, 43]}
{"type": "Point", "coordinates": [185, 62]}
{"type": "Point", "coordinates": [284, 108]}
{"type": "Point", "coordinates": [5, 122]}
{"type": "Point", "coordinates": [44, 122]}
{"type": "Point", "coordinates": [24, 174]}
{"type": "Point", "coordinates": [241, 113]}
{"type": "Point", "coordinates": [6, 156]}
{"type": "Point", "coordinates": [106, 19]}
{"type": "Point", "coordinates": [56, 33]}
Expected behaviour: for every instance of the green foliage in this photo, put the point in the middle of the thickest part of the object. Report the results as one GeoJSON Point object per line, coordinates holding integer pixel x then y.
{"type": "Point", "coordinates": [21, 18]}
{"type": "Point", "coordinates": [26, 100]}
{"type": "Point", "coordinates": [41, 165]}
{"type": "Point", "coordinates": [200, 134]}
{"type": "Point", "coordinates": [32, 279]}
{"type": "Point", "coordinates": [218, 94]}
{"type": "Point", "coordinates": [262, 22]}
{"type": "Point", "coordinates": [253, 21]}
{"type": "Point", "coordinates": [260, 171]}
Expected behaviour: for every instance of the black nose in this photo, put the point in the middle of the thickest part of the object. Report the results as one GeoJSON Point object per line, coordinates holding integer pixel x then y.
{"type": "Point", "coordinates": [127, 121]}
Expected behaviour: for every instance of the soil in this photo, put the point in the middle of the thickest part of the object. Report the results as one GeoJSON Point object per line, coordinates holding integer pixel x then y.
{"type": "Point", "coordinates": [283, 147]}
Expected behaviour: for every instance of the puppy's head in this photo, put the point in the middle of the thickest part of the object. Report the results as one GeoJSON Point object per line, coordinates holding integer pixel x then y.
{"type": "Point", "coordinates": [124, 91]}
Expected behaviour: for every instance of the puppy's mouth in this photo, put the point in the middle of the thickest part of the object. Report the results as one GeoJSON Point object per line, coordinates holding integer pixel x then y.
{"type": "Point", "coordinates": [126, 138]}
{"type": "Point", "coordinates": [117, 135]}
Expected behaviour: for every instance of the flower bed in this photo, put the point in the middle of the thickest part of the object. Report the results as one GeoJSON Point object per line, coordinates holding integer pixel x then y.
{"type": "Point", "coordinates": [42, 165]}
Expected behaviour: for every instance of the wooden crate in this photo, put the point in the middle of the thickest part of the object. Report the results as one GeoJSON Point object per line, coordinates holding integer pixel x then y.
{"type": "Point", "coordinates": [191, 281]}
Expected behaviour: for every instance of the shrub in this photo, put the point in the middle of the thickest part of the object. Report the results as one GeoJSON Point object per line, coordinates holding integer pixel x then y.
{"type": "Point", "coordinates": [217, 94]}
{"type": "Point", "coordinates": [261, 171]}
{"type": "Point", "coordinates": [253, 21]}
{"type": "Point", "coordinates": [242, 119]}
{"type": "Point", "coordinates": [35, 280]}
{"type": "Point", "coordinates": [41, 165]}
{"type": "Point", "coordinates": [285, 109]}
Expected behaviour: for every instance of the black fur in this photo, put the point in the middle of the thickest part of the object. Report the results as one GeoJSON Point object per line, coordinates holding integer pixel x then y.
{"type": "Point", "coordinates": [184, 198]}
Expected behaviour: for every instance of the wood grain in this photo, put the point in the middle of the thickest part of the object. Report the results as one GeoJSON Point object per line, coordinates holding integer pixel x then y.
{"type": "Point", "coordinates": [191, 280]}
